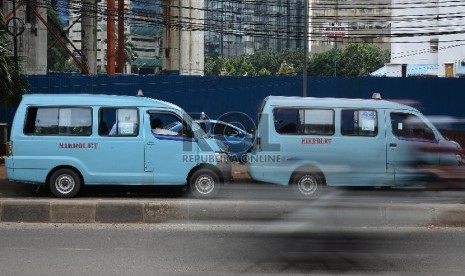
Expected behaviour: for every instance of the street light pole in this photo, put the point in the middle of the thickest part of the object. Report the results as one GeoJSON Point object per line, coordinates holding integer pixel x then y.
{"type": "Point", "coordinates": [138, 68]}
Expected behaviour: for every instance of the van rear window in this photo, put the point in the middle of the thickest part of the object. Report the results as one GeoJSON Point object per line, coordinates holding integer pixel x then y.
{"type": "Point", "coordinates": [304, 121]}
{"type": "Point", "coordinates": [62, 121]}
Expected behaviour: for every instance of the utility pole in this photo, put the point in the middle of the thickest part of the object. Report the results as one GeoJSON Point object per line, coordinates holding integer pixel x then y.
{"type": "Point", "coordinates": [304, 73]}
{"type": "Point", "coordinates": [111, 37]}
{"type": "Point", "coordinates": [335, 40]}
{"type": "Point", "coordinates": [120, 36]}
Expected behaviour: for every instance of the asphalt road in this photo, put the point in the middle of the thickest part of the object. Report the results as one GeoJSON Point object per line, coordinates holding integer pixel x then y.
{"type": "Point", "coordinates": [220, 249]}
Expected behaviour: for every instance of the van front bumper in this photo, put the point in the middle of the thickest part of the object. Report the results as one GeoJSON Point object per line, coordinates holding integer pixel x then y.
{"type": "Point", "coordinates": [226, 171]}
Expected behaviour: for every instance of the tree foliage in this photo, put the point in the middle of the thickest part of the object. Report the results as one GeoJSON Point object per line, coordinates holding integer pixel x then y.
{"type": "Point", "coordinates": [58, 59]}
{"type": "Point", "coordinates": [13, 84]}
{"type": "Point", "coordinates": [353, 60]}
{"type": "Point", "coordinates": [129, 49]}
{"type": "Point", "coordinates": [286, 69]}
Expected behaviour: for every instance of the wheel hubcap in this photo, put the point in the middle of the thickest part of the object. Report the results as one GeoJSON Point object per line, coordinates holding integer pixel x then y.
{"type": "Point", "coordinates": [64, 184]}
{"type": "Point", "coordinates": [308, 185]}
{"type": "Point", "coordinates": [205, 184]}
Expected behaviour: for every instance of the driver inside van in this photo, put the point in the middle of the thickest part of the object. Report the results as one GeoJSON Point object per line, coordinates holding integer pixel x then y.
{"type": "Point", "coordinates": [157, 128]}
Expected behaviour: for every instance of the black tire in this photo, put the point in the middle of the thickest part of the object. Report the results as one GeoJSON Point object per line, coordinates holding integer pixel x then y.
{"type": "Point", "coordinates": [308, 184]}
{"type": "Point", "coordinates": [204, 183]}
{"type": "Point", "coordinates": [65, 183]}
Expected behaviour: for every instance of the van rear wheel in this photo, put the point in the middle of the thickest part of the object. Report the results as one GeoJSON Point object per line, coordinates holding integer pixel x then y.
{"type": "Point", "coordinates": [204, 184]}
{"type": "Point", "coordinates": [65, 183]}
{"type": "Point", "coordinates": [307, 184]}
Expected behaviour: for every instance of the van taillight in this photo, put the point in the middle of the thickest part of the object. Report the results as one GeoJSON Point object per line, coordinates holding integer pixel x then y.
{"type": "Point", "coordinates": [9, 148]}
{"type": "Point", "coordinates": [258, 141]}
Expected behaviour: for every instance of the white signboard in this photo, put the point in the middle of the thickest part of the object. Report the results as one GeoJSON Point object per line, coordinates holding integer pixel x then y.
{"type": "Point", "coordinates": [335, 29]}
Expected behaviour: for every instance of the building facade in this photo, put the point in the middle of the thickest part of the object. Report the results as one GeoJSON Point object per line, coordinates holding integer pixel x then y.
{"type": "Point", "coordinates": [337, 23]}
{"type": "Point", "coordinates": [430, 33]}
{"type": "Point", "coordinates": [233, 28]}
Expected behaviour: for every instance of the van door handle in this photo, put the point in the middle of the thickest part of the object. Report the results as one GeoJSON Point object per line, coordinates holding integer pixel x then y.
{"type": "Point", "coordinates": [150, 143]}
{"type": "Point", "coordinates": [392, 145]}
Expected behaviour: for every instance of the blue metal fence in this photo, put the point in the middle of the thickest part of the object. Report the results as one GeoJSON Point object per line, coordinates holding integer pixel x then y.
{"type": "Point", "coordinates": [217, 95]}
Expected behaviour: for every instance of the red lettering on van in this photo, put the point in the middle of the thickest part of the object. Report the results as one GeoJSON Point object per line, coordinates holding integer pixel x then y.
{"type": "Point", "coordinates": [316, 141]}
{"type": "Point", "coordinates": [78, 145]}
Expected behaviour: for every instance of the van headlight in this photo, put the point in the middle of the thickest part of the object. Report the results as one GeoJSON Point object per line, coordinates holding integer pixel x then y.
{"type": "Point", "coordinates": [460, 158]}
{"type": "Point", "coordinates": [221, 157]}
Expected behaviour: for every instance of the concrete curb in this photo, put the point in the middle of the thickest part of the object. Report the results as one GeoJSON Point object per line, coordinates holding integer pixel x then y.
{"type": "Point", "coordinates": [157, 211]}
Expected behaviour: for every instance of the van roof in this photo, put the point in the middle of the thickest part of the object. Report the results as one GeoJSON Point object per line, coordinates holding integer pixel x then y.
{"type": "Point", "coordinates": [334, 102]}
{"type": "Point", "coordinates": [94, 99]}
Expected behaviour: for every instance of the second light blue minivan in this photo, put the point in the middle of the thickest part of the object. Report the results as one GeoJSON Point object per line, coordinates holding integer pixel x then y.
{"type": "Point", "coordinates": [308, 143]}
{"type": "Point", "coordinates": [69, 140]}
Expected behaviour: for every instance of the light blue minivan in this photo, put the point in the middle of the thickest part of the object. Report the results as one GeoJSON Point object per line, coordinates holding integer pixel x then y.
{"type": "Point", "coordinates": [69, 140]}
{"type": "Point", "coordinates": [312, 142]}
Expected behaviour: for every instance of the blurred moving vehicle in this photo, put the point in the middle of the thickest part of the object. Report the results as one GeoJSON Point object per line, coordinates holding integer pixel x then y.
{"type": "Point", "coordinates": [235, 140]}
{"type": "Point", "coordinates": [308, 143]}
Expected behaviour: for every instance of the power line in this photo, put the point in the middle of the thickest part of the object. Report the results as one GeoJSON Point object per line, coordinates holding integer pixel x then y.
{"type": "Point", "coordinates": [292, 27]}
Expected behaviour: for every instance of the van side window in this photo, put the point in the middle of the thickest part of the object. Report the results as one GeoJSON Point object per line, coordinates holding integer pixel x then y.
{"type": "Point", "coordinates": [166, 123]}
{"type": "Point", "coordinates": [406, 125]}
{"type": "Point", "coordinates": [304, 121]}
{"type": "Point", "coordinates": [62, 121]}
{"type": "Point", "coordinates": [118, 121]}
{"type": "Point", "coordinates": [359, 122]}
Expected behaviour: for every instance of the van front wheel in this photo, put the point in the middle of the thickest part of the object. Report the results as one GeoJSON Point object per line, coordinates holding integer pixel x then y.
{"type": "Point", "coordinates": [65, 183]}
{"type": "Point", "coordinates": [204, 184]}
{"type": "Point", "coordinates": [307, 184]}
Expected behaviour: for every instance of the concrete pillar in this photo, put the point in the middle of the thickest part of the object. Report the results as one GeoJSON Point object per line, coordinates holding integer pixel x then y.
{"type": "Point", "coordinates": [170, 42]}
{"type": "Point", "coordinates": [183, 37]}
{"type": "Point", "coordinates": [89, 35]}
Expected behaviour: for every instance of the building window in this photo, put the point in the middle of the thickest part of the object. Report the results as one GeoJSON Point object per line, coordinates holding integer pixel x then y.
{"type": "Point", "coordinates": [434, 45]}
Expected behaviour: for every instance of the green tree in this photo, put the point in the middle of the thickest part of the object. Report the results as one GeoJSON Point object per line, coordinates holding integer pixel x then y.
{"type": "Point", "coordinates": [361, 59]}
{"type": "Point", "coordinates": [321, 64]}
{"type": "Point", "coordinates": [228, 69]}
{"type": "Point", "coordinates": [265, 59]}
{"type": "Point", "coordinates": [261, 63]}
{"type": "Point", "coordinates": [264, 72]}
{"type": "Point", "coordinates": [13, 84]}
{"type": "Point", "coordinates": [57, 57]}
{"type": "Point", "coordinates": [294, 57]}
{"type": "Point", "coordinates": [129, 49]}
{"type": "Point", "coordinates": [286, 69]}
{"type": "Point", "coordinates": [213, 66]}
{"type": "Point", "coordinates": [247, 69]}
{"type": "Point", "coordinates": [355, 60]}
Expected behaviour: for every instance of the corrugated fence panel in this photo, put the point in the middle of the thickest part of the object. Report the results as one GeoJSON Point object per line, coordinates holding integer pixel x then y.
{"type": "Point", "coordinates": [218, 95]}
